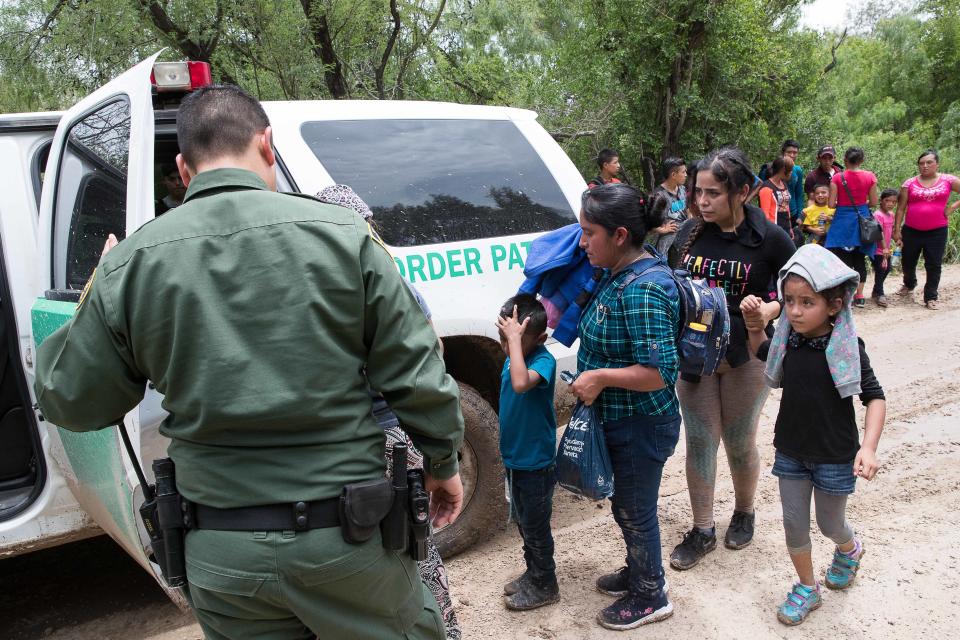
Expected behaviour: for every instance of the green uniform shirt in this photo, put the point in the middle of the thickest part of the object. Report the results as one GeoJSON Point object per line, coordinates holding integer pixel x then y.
{"type": "Point", "coordinates": [255, 314]}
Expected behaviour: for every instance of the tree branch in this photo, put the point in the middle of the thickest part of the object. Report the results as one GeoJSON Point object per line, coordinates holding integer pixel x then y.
{"type": "Point", "coordinates": [833, 52]}
{"type": "Point", "coordinates": [417, 43]}
{"type": "Point", "coordinates": [385, 58]}
{"type": "Point", "coordinates": [323, 49]}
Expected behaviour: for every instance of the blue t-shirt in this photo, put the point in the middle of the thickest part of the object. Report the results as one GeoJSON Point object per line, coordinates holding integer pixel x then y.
{"type": "Point", "coordinates": [528, 424]}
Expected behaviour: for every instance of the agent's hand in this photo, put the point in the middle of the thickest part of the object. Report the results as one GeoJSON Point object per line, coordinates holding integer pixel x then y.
{"type": "Point", "coordinates": [587, 387]}
{"type": "Point", "coordinates": [751, 307]}
{"type": "Point", "coordinates": [510, 328]}
{"type": "Point", "coordinates": [865, 465]}
{"type": "Point", "coordinates": [109, 244]}
{"type": "Point", "coordinates": [446, 499]}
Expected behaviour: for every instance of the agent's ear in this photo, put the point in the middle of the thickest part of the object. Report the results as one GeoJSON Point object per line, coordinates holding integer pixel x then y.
{"type": "Point", "coordinates": [542, 338]}
{"type": "Point", "coordinates": [265, 146]}
{"type": "Point", "coordinates": [186, 173]}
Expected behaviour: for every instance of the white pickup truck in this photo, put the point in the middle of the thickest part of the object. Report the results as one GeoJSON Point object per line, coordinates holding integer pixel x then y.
{"type": "Point", "coordinates": [458, 193]}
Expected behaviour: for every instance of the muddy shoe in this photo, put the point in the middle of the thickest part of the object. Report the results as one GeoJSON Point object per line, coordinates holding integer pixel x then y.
{"type": "Point", "coordinates": [799, 603]}
{"type": "Point", "coordinates": [903, 292]}
{"type": "Point", "coordinates": [615, 584]}
{"type": "Point", "coordinates": [532, 596]}
{"type": "Point", "coordinates": [881, 301]}
{"type": "Point", "coordinates": [515, 585]}
{"type": "Point", "coordinates": [740, 531]}
{"type": "Point", "coordinates": [843, 570]}
{"type": "Point", "coordinates": [695, 545]}
{"type": "Point", "coordinates": [632, 611]}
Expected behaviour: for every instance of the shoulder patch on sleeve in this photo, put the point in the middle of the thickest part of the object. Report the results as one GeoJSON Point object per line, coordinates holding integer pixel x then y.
{"type": "Point", "coordinates": [86, 289]}
{"type": "Point", "coordinates": [376, 238]}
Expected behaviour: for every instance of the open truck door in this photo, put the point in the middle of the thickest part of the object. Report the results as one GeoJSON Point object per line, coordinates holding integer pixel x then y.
{"type": "Point", "coordinates": [100, 180]}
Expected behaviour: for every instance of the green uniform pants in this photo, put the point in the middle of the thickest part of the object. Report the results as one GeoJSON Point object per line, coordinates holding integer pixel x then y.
{"type": "Point", "coordinates": [286, 585]}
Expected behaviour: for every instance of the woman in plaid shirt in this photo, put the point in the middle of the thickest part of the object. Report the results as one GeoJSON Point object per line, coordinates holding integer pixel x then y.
{"type": "Point", "coordinates": [628, 367]}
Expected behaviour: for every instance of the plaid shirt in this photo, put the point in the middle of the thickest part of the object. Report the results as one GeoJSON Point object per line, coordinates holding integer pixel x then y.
{"type": "Point", "coordinates": [640, 328]}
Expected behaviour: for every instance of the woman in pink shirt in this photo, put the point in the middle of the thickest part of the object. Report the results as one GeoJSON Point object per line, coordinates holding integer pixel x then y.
{"type": "Point", "coordinates": [853, 192]}
{"type": "Point", "coordinates": [923, 203]}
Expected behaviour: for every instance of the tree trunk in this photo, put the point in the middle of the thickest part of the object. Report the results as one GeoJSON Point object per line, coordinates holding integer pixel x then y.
{"type": "Point", "coordinates": [323, 49]}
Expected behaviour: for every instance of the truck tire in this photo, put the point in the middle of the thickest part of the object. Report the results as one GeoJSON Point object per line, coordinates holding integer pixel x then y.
{"type": "Point", "coordinates": [481, 470]}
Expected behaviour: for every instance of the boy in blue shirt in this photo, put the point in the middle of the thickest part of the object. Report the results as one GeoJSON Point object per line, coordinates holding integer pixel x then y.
{"type": "Point", "coordinates": [528, 444]}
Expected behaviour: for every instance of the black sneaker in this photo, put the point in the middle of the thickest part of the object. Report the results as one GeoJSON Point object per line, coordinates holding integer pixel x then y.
{"type": "Point", "coordinates": [740, 531]}
{"type": "Point", "coordinates": [515, 585]}
{"type": "Point", "coordinates": [615, 584]}
{"type": "Point", "coordinates": [695, 545]}
{"type": "Point", "coordinates": [532, 596]}
{"type": "Point", "coordinates": [632, 611]}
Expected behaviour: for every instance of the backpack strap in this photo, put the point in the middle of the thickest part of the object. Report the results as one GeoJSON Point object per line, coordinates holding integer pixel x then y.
{"type": "Point", "coordinates": [636, 272]}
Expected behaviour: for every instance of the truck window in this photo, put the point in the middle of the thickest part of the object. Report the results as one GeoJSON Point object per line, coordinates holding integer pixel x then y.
{"type": "Point", "coordinates": [435, 181]}
{"type": "Point", "coordinates": [91, 192]}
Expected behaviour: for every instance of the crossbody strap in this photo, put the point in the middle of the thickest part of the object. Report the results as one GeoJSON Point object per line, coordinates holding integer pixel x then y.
{"type": "Point", "coordinates": [846, 188]}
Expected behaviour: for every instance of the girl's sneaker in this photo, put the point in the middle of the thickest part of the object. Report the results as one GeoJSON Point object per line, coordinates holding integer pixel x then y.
{"type": "Point", "coordinates": [859, 302]}
{"type": "Point", "coordinates": [843, 570]}
{"type": "Point", "coordinates": [632, 611]}
{"type": "Point", "coordinates": [799, 603]}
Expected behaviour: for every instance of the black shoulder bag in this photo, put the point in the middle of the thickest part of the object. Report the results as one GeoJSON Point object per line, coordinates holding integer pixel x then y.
{"type": "Point", "coordinates": [870, 230]}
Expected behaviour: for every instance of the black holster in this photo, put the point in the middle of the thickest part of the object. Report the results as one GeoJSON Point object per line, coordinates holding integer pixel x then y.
{"type": "Point", "coordinates": [363, 506]}
{"type": "Point", "coordinates": [163, 520]}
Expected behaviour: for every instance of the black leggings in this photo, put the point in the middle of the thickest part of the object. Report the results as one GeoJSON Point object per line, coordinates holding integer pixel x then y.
{"type": "Point", "coordinates": [853, 259]}
{"type": "Point", "coordinates": [932, 244]}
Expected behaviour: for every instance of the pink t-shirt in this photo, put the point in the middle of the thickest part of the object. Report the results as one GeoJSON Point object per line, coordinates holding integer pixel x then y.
{"type": "Point", "coordinates": [886, 224]}
{"type": "Point", "coordinates": [927, 206]}
{"type": "Point", "coordinates": [859, 183]}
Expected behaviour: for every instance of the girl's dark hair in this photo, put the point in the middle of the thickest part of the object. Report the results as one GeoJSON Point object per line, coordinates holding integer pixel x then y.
{"type": "Point", "coordinates": [618, 205]}
{"type": "Point", "coordinates": [605, 156]}
{"type": "Point", "coordinates": [730, 167]}
{"type": "Point", "coordinates": [930, 152]}
{"type": "Point", "coordinates": [670, 165]}
{"type": "Point", "coordinates": [886, 193]}
{"type": "Point", "coordinates": [854, 155]}
{"type": "Point", "coordinates": [777, 165]}
{"type": "Point", "coordinates": [829, 294]}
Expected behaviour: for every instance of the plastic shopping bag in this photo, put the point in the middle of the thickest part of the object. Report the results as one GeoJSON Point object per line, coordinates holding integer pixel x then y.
{"type": "Point", "coordinates": [583, 462]}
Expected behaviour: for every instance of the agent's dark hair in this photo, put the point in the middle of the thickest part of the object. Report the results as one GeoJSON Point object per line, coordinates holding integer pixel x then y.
{"type": "Point", "coordinates": [830, 294]}
{"type": "Point", "coordinates": [789, 142]}
{"type": "Point", "coordinates": [216, 121]}
{"type": "Point", "coordinates": [527, 307]}
{"type": "Point", "coordinates": [605, 156]}
{"type": "Point", "coordinates": [887, 193]}
{"type": "Point", "coordinates": [618, 205]}
{"type": "Point", "coordinates": [731, 168]}
{"type": "Point", "coordinates": [930, 152]}
{"type": "Point", "coordinates": [854, 155]}
{"type": "Point", "coordinates": [776, 167]}
{"type": "Point", "coordinates": [668, 166]}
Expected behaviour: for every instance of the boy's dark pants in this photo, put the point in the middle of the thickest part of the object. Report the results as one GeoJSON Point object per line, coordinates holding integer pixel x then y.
{"type": "Point", "coordinates": [531, 501]}
{"type": "Point", "coordinates": [879, 274]}
{"type": "Point", "coordinates": [932, 244]}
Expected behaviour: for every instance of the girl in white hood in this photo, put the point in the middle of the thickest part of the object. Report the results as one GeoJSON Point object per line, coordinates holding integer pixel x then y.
{"type": "Point", "coordinates": [816, 356]}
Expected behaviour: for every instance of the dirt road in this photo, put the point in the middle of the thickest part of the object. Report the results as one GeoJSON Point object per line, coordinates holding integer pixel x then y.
{"type": "Point", "coordinates": [909, 517]}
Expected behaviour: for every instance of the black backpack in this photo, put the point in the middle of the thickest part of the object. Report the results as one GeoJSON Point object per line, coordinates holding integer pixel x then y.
{"type": "Point", "coordinates": [704, 331]}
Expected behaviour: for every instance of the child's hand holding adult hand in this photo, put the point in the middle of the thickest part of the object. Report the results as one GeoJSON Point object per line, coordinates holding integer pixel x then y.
{"type": "Point", "coordinates": [510, 327]}
{"type": "Point", "coordinates": [865, 465]}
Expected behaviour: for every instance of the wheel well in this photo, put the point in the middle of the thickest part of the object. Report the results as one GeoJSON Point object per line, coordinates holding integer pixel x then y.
{"type": "Point", "coordinates": [476, 361]}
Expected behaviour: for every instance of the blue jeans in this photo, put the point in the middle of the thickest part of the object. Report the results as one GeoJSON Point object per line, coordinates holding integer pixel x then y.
{"type": "Point", "coordinates": [531, 505]}
{"type": "Point", "coordinates": [639, 446]}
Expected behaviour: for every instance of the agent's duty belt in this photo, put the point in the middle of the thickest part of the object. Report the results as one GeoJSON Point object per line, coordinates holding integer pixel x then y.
{"type": "Point", "coordinates": [289, 516]}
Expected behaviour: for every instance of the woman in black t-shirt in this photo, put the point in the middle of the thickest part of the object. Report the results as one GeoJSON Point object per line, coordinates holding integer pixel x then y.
{"type": "Point", "coordinates": [734, 246]}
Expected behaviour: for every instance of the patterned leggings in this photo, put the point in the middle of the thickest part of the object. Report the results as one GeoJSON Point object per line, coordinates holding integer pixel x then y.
{"type": "Point", "coordinates": [432, 572]}
{"type": "Point", "coordinates": [725, 406]}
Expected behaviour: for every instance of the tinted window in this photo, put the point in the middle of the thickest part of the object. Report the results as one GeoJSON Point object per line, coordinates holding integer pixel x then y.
{"type": "Point", "coordinates": [91, 192]}
{"type": "Point", "coordinates": [432, 181]}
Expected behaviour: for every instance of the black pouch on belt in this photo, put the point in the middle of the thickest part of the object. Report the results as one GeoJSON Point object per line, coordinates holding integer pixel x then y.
{"type": "Point", "coordinates": [362, 506]}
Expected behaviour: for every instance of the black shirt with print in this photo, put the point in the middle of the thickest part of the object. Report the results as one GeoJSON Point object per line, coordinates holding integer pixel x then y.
{"type": "Point", "coordinates": [743, 262]}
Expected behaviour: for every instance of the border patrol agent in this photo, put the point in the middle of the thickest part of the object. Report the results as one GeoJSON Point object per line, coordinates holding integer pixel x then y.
{"type": "Point", "coordinates": [255, 313]}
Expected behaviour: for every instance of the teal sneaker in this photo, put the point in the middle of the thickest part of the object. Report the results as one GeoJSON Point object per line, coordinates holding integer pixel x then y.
{"type": "Point", "coordinates": [843, 570]}
{"type": "Point", "coordinates": [798, 605]}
